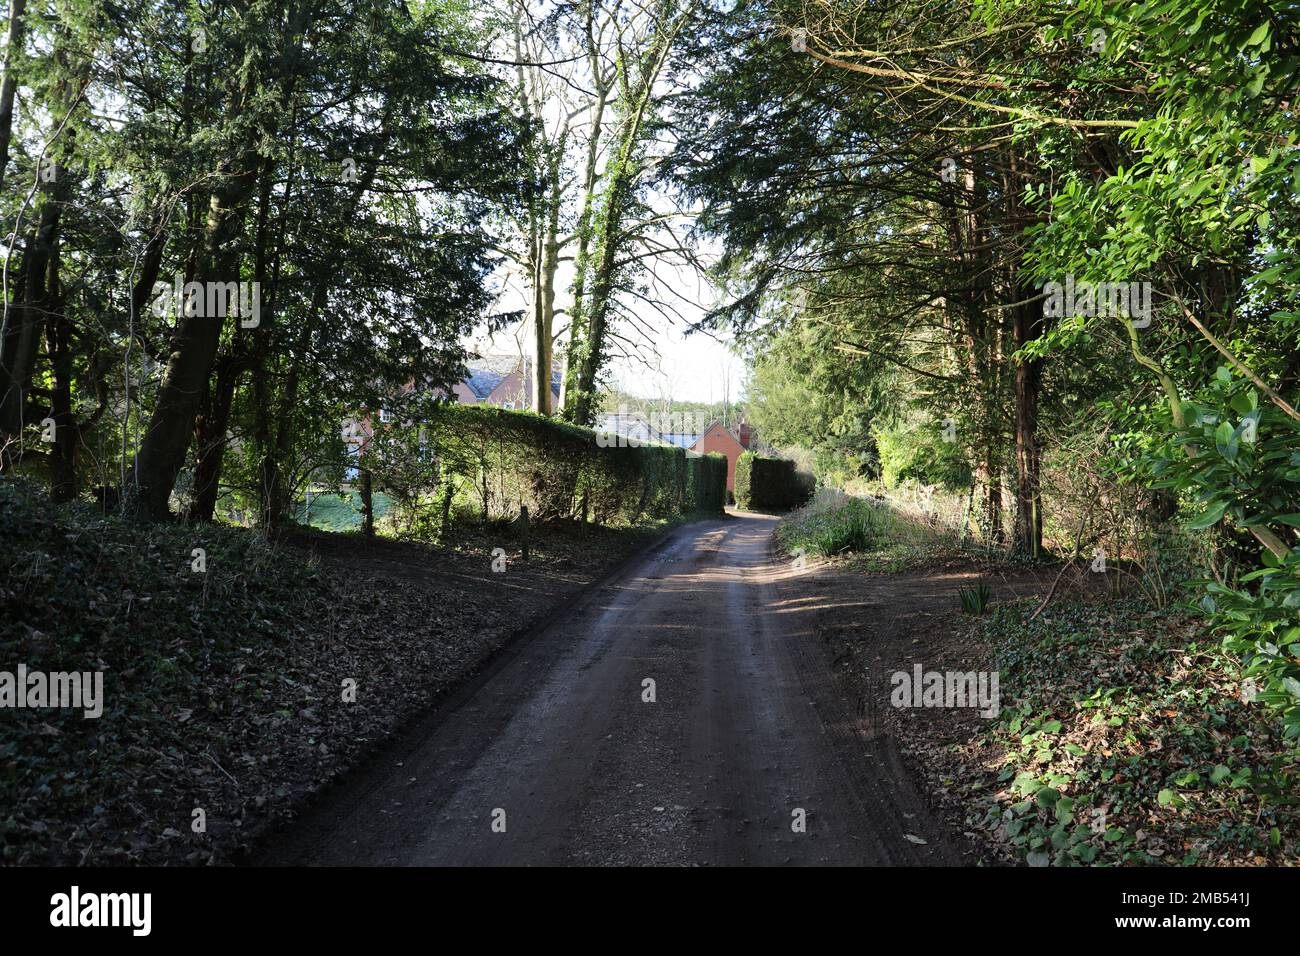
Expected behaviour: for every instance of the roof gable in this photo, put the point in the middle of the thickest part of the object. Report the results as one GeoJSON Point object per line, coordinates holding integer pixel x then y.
{"type": "Point", "coordinates": [715, 428]}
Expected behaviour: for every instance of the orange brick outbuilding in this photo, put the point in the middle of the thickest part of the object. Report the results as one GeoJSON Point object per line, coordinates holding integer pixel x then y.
{"type": "Point", "coordinates": [717, 440]}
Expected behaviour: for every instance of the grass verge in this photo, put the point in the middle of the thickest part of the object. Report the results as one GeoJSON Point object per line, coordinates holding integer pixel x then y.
{"type": "Point", "coordinates": [871, 534]}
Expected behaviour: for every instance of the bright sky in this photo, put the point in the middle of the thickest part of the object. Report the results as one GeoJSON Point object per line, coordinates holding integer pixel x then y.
{"type": "Point", "coordinates": [668, 362]}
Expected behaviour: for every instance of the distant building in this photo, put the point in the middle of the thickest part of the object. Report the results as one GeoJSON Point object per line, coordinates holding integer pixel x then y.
{"type": "Point", "coordinates": [715, 439]}
{"type": "Point", "coordinates": [504, 381]}
{"type": "Point", "coordinates": [718, 440]}
{"type": "Point", "coordinates": [631, 428]}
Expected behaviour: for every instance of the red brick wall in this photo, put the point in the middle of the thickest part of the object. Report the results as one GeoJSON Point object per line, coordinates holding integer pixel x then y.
{"type": "Point", "coordinates": [718, 441]}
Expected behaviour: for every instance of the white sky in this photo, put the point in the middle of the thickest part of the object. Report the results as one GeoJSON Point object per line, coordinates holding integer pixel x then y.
{"type": "Point", "coordinates": [667, 363]}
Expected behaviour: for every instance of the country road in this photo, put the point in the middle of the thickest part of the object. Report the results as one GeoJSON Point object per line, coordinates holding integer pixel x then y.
{"type": "Point", "coordinates": [557, 744]}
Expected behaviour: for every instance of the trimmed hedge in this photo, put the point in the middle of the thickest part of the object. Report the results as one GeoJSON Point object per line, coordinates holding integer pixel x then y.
{"type": "Point", "coordinates": [770, 484]}
{"type": "Point", "coordinates": [500, 459]}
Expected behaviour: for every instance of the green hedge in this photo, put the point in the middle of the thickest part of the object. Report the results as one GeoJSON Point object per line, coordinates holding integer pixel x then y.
{"type": "Point", "coordinates": [770, 484]}
{"type": "Point", "coordinates": [499, 459]}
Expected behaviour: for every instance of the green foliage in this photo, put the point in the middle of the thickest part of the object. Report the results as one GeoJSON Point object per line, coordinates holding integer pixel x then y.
{"type": "Point", "coordinates": [975, 600]}
{"type": "Point", "coordinates": [500, 460]}
{"type": "Point", "coordinates": [770, 484]}
{"type": "Point", "coordinates": [844, 271]}
{"type": "Point", "coordinates": [353, 160]}
{"type": "Point", "coordinates": [1130, 743]}
{"type": "Point", "coordinates": [1238, 462]}
{"type": "Point", "coordinates": [1203, 191]}
{"type": "Point", "coordinates": [912, 451]}
{"type": "Point", "coordinates": [801, 393]}
{"type": "Point", "coordinates": [1170, 159]}
{"type": "Point", "coordinates": [741, 480]}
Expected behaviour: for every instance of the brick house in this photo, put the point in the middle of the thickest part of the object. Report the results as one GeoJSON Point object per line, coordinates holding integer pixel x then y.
{"type": "Point", "coordinates": [715, 439]}
{"type": "Point", "coordinates": [504, 381]}
{"type": "Point", "coordinates": [721, 441]}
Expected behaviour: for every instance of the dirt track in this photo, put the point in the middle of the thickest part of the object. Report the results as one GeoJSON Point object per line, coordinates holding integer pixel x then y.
{"type": "Point", "coordinates": [747, 727]}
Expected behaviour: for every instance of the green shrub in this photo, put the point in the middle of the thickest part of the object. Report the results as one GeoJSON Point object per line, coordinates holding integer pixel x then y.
{"type": "Point", "coordinates": [708, 482]}
{"type": "Point", "coordinates": [919, 451]}
{"type": "Point", "coordinates": [861, 527]}
{"type": "Point", "coordinates": [834, 525]}
{"type": "Point", "coordinates": [1237, 460]}
{"type": "Point", "coordinates": [853, 530]}
{"type": "Point", "coordinates": [770, 484]}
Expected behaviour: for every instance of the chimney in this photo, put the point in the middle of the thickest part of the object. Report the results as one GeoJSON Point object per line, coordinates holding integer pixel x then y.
{"type": "Point", "coordinates": [742, 435]}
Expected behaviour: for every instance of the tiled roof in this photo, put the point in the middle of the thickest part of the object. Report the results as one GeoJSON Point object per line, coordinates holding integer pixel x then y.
{"type": "Point", "coordinates": [482, 381]}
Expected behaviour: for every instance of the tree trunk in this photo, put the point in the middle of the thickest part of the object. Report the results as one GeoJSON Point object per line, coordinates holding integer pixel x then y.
{"type": "Point", "coordinates": [193, 350]}
{"type": "Point", "coordinates": [273, 502]}
{"type": "Point", "coordinates": [272, 498]}
{"type": "Point", "coordinates": [210, 429]}
{"type": "Point", "coordinates": [197, 338]}
{"type": "Point", "coordinates": [17, 354]}
{"type": "Point", "coordinates": [214, 419]}
{"type": "Point", "coordinates": [587, 344]}
{"type": "Point", "coordinates": [583, 232]}
{"type": "Point", "coordinates": [23, 338]}
{"type": "Point", "coordinates": [1028, 324]}
{"type": "Point", "coordinates": [63, 456]}
{"type": "Point", "coordinates": [990, 477]}
{"type": "Point", "coordinates": [367, 505]}
{"type": "Point", "coordinates": [544, 295]}
{"type": "Point", "coordinates": [9, 85]}
{"type": "Point", "coordinates": [447, 496]}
